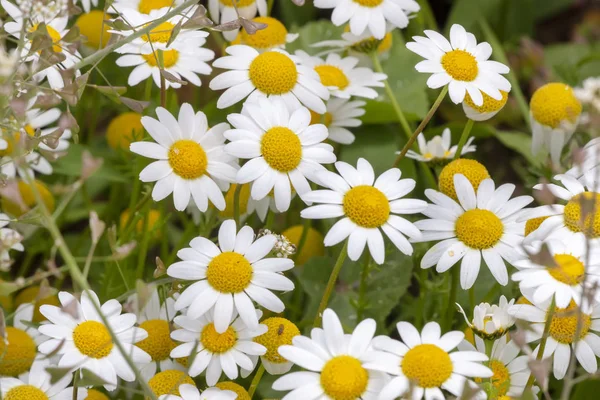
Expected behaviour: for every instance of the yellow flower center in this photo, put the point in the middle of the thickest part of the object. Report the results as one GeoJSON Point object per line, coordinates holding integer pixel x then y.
{"type": "Point", "coordinates": [93, 394]}
{"type": "Point", "coordinates": [188, 159]}
{"type": "Point", "coordinates": [366, 206]}
{"type": "Point", "coordinates": [229, 272]}
{"type": "Point", "coordinates": [280, 332]}
{"type": "Point", "coordinates": [427, 365]}
{"type": "Point", "coordinates": [489, 104]}
{"type": "Point", "coordinates": [369, 3]}
{"type": "Point", "coordinates": [124, 129]}
{"type": "Point", "coordinates": [460, 65]}
{"type": "Point", "coordinates": [471, 169]}
{"type": "Point", "coordinates": [54, 35]}
{"type": "Point", "coordinates": [93, 25]}
{"type": "Point", "coordinates": [479, 229]}
{"type": "Point", "coordinates": [230, 197]}
{"type": "Point", "coordinates": [273, 35]}
{"type": "Point", "coordinates": [160, 34]}
{"type": "Point", "coordinates": [533, 223]}
{"type": "Point", "coordinates": [145, 6]}
{"type": "Point", "coordinates": [501, 377]}
{"type": "Point", "coordinates": [158, 343]}
{"type": "Point", "coordinates": [281, 149]}
{"type": "Point", "coordinates": [553, 104]}
{"type": "Point", "coordinates": [170, 58]}
{"type": "Point", "coordinates": [332, 76]}
{"type": "Point", "coordinates": [239, 4]}
{"type": "Point", "coordinates": [92, 339]}
{"type": "Point", "coordinates": [168, 382]}
{"type": "Point", "coordinates": [564, 324]}
{"type": "Point", "coordinates": [218, 342]}
{"type": "Point", "coordinates": [385, 44]}
{"type": "Point", "coordinates": [313, 244]}
{"type": "Point", "coordinates": [316, 118]}
{"type": "Point", "coordinates": [344, 378]}
{"type": "Point", "coordinates": [589, 222]}
{"type": "Point", "coordinates": [242, 394]}
{"type": "Point", "coordinates": [28, 199]}
{"type": "Point", "coordinates": [25, 392]}
{"type": "Point", "coordinates": [17, 353]}
{"type": "Point", "coordinates": [523, 300]}
{"type": "Point", "coordinates": [568, 269]}
{"type": "Point", "coordinates": [30, 295]}
{"type": "Point", "coordinates": [16, 137]}
{"type": "Point", "coordinates": [273, 73]}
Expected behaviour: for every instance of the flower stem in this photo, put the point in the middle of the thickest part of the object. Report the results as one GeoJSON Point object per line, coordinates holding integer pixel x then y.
{"type": "Point", "coordinates": [303, 236]}
{"type": "Point", "coordinates": [236, 204]}
{"type": "Point", "coordinates": [463, 138]}
{"type": "Point", "coordinates": [256, 380]}
{"type": "Point", "coordinates": [422, 125]}
{"type": "Point", "coordinates": [363, 288]}
{"type": "Point", "coordinates": [452, 298]}
{"type": "Point", "coordinates": [331, 284]}
{"type": "Point", "coordinates": [543, 341]}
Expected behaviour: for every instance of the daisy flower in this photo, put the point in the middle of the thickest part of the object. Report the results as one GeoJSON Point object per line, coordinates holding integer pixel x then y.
{"type": "Point", "coordinates": [341, 114]}
{"type": "Point", "coordinates": [336, 363]}
{"type": "Point", "coordinates": [562, 335]}
{"type": "Point", "coordinates": [586, 170]}
{"type": "Point", "coordinates": [438, 148]}
{"type": "Point", "coordinates": [485, 111]}
{"type": "Point", "coordinates": [280, 332]}
{"type": "Point", "coordinates": [222, 11]}
{"type": "Point", "coordinates": [490, 321]}
{"type": "Point", "coordinates": [36, 11]}
{"type": "Point", "coordinates": [554, 114]}
{"type": "Point", "coordinates": [480, 225]}
{"type": "Point", "coordinates": [426, 363]}
{"type": "Point", "coordinates": [217, 352]}
{"type": "Point", "coordinates": [231, 276]}
{"type": "Point", "coordinates": [274, 36]}
{"type": "Point", "coordinates": [37, 384]}
{"type": "Point", "coordinates": [370, 14]}
{"type": "Point", "coordinates": [462, 64]}
{"type": "Point", "coordinates": [191, 392]}
{"type": "Point", "coordinates": [10, 239]}
{"type": "Point", "coordinates": [342, 76]}
{"type": "Point", "coordinates": [273, 73]}
{"type": "Point", "coordinates": [360, 45]}
{"type": "Point", "coordinates": [190, 158]}
{"type": "Point", "coordinates": [247, 205]}
{"type": "Point", "coordinates": [83, 341]}
{"type": "Point", "coordinates": [367, 206]}
{"type": "Point", "coordinates": [473, 170]}
{"type": "Point", "coordinates": [282, 147]}
{"type": "Point", "coordinates": [166, 384]}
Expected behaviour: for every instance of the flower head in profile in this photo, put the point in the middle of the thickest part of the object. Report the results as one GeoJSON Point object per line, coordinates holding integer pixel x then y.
{"type": "Point", "coordinates": [460, 63]}
{"type": "Point", "coordinates": [223, 11]}
{"type": "Point", "coordinates": [485, 111]}
{"type": "Point", "coordinates": [367, 207]}
{"type": "Point", "coordinates": [491, 321]}
{"type": "Point", "coordinates": [439, 148]}
{"type": "Point", "coordinates": [341, 114]}
{"type": "Point", "coordinates": [280, 332]}
{"type": "Point", "coordinates": [274, 36]}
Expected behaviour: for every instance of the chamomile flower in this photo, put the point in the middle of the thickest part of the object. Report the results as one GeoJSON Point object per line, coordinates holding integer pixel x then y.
{"type": "Point", "coordinates": [587, 169]}
{"type": "Point", "coordinates": [425, 363]}
{"type": "Point", "coordinates": [83, 341]}
{"type": "Point", "coordinates": [460, 63]}
{"type": "Point", "coordinates": [191, 162]}
{"type": "Point", "coordinates": [370, 14]}
{"type": "Point", "coordinates": [217, 352]}
{"type": "Point", "coordinates": [223, 11]}
{"type": "Point", "coordinates": [342, 76]}
{"type": "Point", "coordinates": [555, 113]}
{"type": "Point", "coordinates": [231, 276]}
{"type": "Point", "coordinates": [280, 332]}
{"type": "Point", "coordinates": [124, 129]}
{"type": "Point", "coordinates": [165, 385]}
{"type": "Point", "coordinates": [274, 36]}
{"type": "Point", "coordinates": [485, 111]}
{"type": "Point", "coordinates": [341, 114]}
{"type": "Point", "coordinates": [36, 11]}
{"type": "Point", "coordinates": [473, 170]}
{"type": "Point", "coordinates": [368, 206]}
{"type": "Point", "coordinates": [480, 225]}
{"type": "Point", "coordinates": [10, 239]}
{"type": "Point", "coordinates": [144, 6]}
{"type": "Point", "coordinates": [313, 242]}
{"type": "Point", "coordinates": [273, 73]}
{"type": "Point", "coordinates": [438, 148]}
{"type": "Point", "coordinates": [247, 205]}
{"type": "Point", "coordinates": [94, 26]}
{"type": "Point", "coordinates": [19, 346]}
{"type": "Point", "coordinates": [191, 392]}
{"type": "Point", "coordinates": [37, 384]}
{"type": "Point", "coordinates": [282, 147]}
{"type": "Point", "coordinates": [491, 321]}
{"type": "Point", "coordinates": [336, 363]}
{"type": "Point", "coordinates": [234, 387]}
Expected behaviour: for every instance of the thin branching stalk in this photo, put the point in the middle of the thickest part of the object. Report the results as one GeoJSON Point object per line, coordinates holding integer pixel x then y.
{"type": "Point", "coordinates": [542, 348]}
{"type": "Point", "coordinates": [256, 380]}
{"type": "Point", "coordinates": [463, 138]}
{"type": "Point", "coordinates": [331, 284]}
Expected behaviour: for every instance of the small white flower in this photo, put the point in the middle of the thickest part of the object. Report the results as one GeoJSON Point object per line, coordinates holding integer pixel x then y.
{"type": "Point", "coordinates": [341, 114]}
{"type": "Point", "coordinates": [491, 321]}
{"type": "Point", "coordinates": [222, 11]}
{"type": "Point", "coordinates": [438, 148]}
{"type": "Point", "coordinates": [274, 36]}
{"type": "Point", "coordinates": [190, 392]}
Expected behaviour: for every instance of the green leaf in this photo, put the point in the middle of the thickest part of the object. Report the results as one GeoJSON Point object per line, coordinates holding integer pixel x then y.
{"type": "Point", "coordinates": [572, 61]}
{"type": "Point", "coordinates": [312, 33]}
{"type": "Point", "coordinates": [70, 165]}
{"type": "Point", "coordinates": [467, 12]}
{"type": "Point", "coordinates": [6, 288]}
{"type": "Point", "coordinates": [521, 143]}
{"type": "Point", "coordinates": [88, 378]}
{"type": "Point", "coordinates": [57, 373]}
{"type": "Point", "coordinates": [586, 390]}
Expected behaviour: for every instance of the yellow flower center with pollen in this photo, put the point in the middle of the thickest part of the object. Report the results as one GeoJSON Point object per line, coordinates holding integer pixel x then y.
{"type": "Point", "coordinates": [230, 197]}
{"type": "Point", "coordinates": [280, 332]}
{"type": "Point", "coordinates": [93, 394]}
{"type": "Point", "coordinates": [281, 149]}
{"type": "Point", "coordinates": [124, 129]}
{"type": "Point", "coordinates": [92, 339]}
{"type": "Point", "coordinates": [158, 343]}
{"type": "Point", "coordinates": [332, 76]}
{"type": "Point", "coordinates": [344, 378]}
{"type": "Point", "coordinates": [145, 6]}
{"type": "Point", "coordinates": [170, 58]}
{"type": "Point", "coordinates": [316, 118]}
{"type": "Point", "coordinates": [313, 243]}
{"type": "Point", "coordinates": [366, 206]}
{"type": "Point", "coordinates": [239, 4]}
{"type": "Point", "coordinates": [218, 342]}
{"type": "Point", "coordinates": [160, 34]}
{"type": "Point", "coordinates": [564, 324]}
{"type": "Point", "coordinates": [474, 171]}
{"type": "Point", "coordinates": [242, 394]}
{"type": "Point", "coordinates": [533, 223]}
{"type": "Point", "coordinates": [168, 382]}
{"type": "Point", "coordinates": [28, 198]}
{"type": "Point", "coordinates": [568, 269]}
{"type": "Point", "coordinates": [489, 104]}
{"type": "Point", "coordinates": [460, 65]}
{"type": "Point", "coordinates": [229, 272]}
{"type": "Point", "coordinates": [25, 392]}
{"type": "Point", "coordinates": [501, 377]}
{"type": "Point", "coordinates": [553, 104]}
{"type": "Point", "coordinates": [479, 229]}
{"type": "Point", "coordinates": [273, 73]}
{"type": "Point", "coordinates": [273, 35]}
{"type": "Point", "coordinates": [17, 353]}
{"type": "Point", "coordinates": [94, 27]}
{"type": "Point", "coordinates": [54, 35]}
{"type": "Point", "coordinates": [369, 3]}
{"type": "Point", "coordinates": [188, 159]}
{"type": "Point", "coordinates": [427, 365]}
{"type": "Point", "coordinates": [589, 222]}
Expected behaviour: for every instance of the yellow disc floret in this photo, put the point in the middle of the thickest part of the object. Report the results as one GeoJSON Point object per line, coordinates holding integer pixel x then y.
{"type": "Point", "coordinates": [54, 36]}
{"type": "Point", "coordinates": [169, 58]}
{"type": "Point", "coordinates": [16, 353]}
{"type": "Point", "coordinates": [533, 223]}
{"type": "Point", "coordinates": [315, 118]}
{"type": "Point", "coordinates": [145, 6]}
{"type": "Point", "coordinates": [369, 3]}
{"type": "Point", "coordinates": [523, 300]}
{"type": "Point", "coordinates": [31, 295]}
{"type": "Point", "coordinates": [168, 382]}
{"type": "Point", "coordinates": [272, 36]}
{"type": "Point", "coordinates": [218, 342]}
{"type": "Point", "coordinates": [460, 65]}
{"type": "Point", "coordinates": [553, 104]}
{"type": "Point", "coordinates": [501, 377]}
{"type": "Point", "coordinates": [158, 343]}
{"type": "Point", "coordinates": [160, 34]}
{"type": "Point", "coordinates": [489, 103]}
{"type": "Point", "coordinates": [385, 44]}
{"type": "Point", "coordinates": [124, 129]}
{"type": "Point", "coordinates": [273, 72]}
{"type": "Point", "coordinates": [563, 327]}
{"type": "Point", "coordinates": [313, 244]}
{"type": "Point", "coordinates": [229, 272]}
{"type": "Point", "coordinates": [92, 339]}
{"type": "Point", "coordinates": [281, 149]}
{"type": "Point", "coordinates": [479, 229]}
{"type": "Point", "coordinates": [93, 25]}
{"type": "Point", "coordinates": [188, 159]}
{"type": "Point", "coordinates": [244, 197]}
{"type": "Point", "coordinates": [242, 394]}
{"type": "Point", "coordinates": [568, 269]}
{"type": "Point", "coordinates": [588, 223]}
{"type": "Point", "coordinates": [93, 394]}
{"type": "Point", "coordinates": [427, 365]}
{"type": "Point", "coordinates": [474, 171]}
{"type": "Point", "coordinates": [366, 206]}
{"type": "Point", "coordinates": [280, 332]}
{"type": "Point", "coordinates": [332, 76]}
{"type": "Point", "coordinates": [28, 198]}
{"type": "Point", "coordinates": [344, 378]}
{"type": "Point", "coordinates": [25, 392]}
{"type": "Point", "coordinates": [239, 3]}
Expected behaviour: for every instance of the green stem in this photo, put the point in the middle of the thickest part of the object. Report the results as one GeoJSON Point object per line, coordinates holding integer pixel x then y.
{"type": "Point", "coordinates": [270, 6]}
{"type": "Point", "coordinates": [542, 347]}
{"type": "Point", "coordinates": [363, 288]}
{"type": "Point", "coordinates": [236, 205]}
{"type": "Point", "coordinates": [256, 380]}
{"type": "Point", "coordinates": [142, 255]}
{"type": "Point", "coordinates": [428, 15]}
{"type": "Point", "coordinates": [331, 284]}
{"type": "Point", "coordinates": [422, 296]}
{"type": "Point", "coordinates": [472, 297]}
{"type": "Point", "coordinates": [303, 236]}
{"type": "Point", "coordinates": [463, 138]}
{"type": "Point", "coordinates": [450, 310]}
{"type": "Point", "coordinates": [422, 125]}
